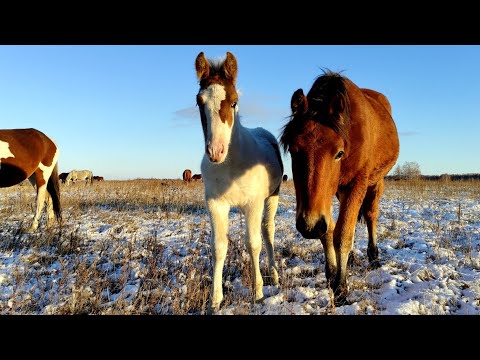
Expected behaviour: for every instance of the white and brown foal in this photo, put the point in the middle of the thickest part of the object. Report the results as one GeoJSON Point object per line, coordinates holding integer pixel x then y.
{"type": "Point", "coordinates": [241, 167]}
{"type": "Point", "coordinates": [30, 154]}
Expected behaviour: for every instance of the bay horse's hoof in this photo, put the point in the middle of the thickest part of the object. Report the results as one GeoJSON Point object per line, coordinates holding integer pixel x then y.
{"type": "Point", "coordinates": [374, 264]}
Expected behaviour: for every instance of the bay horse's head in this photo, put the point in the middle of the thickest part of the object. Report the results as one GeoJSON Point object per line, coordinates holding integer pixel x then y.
{"type": "Point", "coordinates": [316, 137]}
{"type": "Point", "coordinates": [217, 100]}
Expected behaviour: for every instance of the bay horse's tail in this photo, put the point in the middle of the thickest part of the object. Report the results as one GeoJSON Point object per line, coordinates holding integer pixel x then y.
{"type": "Point", "coordinates": [53, 189]}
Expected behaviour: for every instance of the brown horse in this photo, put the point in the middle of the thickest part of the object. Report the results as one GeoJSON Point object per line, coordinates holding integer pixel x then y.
{"type": "Point", "coordinates": [343, 141]}
{"type": "Point", "coordinates": [30, 154]}
{"type": "Point", "coordinates": [63, 177]}
{"type": "Point", "coordinates": [197, 177]}
{"type": "Point", "coordinates": [187, 175]}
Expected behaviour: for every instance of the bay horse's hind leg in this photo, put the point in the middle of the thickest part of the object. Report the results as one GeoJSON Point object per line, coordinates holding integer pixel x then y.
{"type": "Point", "coordinates": [370, 213]}
{"type": "Point", "coordinates": [268, 232]}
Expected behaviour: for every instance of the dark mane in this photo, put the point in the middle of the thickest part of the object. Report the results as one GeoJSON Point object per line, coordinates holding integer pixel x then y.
{"type": "Point", "coordinates": [327, 87]}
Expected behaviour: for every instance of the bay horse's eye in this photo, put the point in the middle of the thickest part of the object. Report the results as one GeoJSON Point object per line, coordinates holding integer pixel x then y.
{"type": "Point", "coordinates": [339, 155]}
{"type": "Point", "coordinates": [234, 104]}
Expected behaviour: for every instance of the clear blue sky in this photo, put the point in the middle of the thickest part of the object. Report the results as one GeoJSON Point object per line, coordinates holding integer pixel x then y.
{"type": "Point", "coordinates": [128, 112]}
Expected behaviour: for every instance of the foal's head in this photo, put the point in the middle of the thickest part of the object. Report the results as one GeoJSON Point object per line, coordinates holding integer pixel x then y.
{"type": "Point", "coordinates": [316, 138]}
{"type": "Point", "coordinates": [217, 100]}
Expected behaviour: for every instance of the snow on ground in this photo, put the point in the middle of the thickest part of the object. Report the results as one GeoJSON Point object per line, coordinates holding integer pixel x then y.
{"type": "Point", "coordinates": [115, 256]}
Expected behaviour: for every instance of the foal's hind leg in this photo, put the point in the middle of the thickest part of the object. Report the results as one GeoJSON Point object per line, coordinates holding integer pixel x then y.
{"type": "Point", "coordinates": [253, 219]}
{"type": "Point", "coordinates": [370, 213]}
{"type": "Point", "coordinates": [268, 232]}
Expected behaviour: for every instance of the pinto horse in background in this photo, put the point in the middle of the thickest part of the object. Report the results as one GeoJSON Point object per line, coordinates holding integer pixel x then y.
{"type": "Point", "coordinates": [240, 167]}
{"type": "Point", "coordinates": [343, 141]}
{"type": "Point", "coordinates": [197, 177]}
{"type": "Point", "coordinates": [187, 175]}
{"type": "Point", "coordinates": [75, 175]}
{"type": "Point", "coordinates": [30, 154]}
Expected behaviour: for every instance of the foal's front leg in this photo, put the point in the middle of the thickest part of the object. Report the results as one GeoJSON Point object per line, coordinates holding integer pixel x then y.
{"type": "Point", "coordinates": [218, 212]}
{"type": "Point", "coordinates": [253, 219]}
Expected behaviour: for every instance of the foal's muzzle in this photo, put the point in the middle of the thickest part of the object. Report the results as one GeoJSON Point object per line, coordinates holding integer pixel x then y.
{"type": "Point", "coordinates": [311, 230]}
{"type": "Point", "coordinates": [215, 153]}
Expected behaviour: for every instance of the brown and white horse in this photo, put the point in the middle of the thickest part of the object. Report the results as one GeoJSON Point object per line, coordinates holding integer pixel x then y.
{"type": "Point", "coordinates": [343, 141]}
{"type": "Point", "coordinates": [197, 177]}
{"type": "Point", "coordinates": [30, 154]}
{"type": "Point", "coordinates": [241, 167]}
{"type": "Point", "coordinates": [187, 175]}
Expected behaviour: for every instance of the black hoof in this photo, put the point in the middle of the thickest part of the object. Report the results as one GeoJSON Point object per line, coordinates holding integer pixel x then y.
{"type": "Point", "coordinates": [374, 264]}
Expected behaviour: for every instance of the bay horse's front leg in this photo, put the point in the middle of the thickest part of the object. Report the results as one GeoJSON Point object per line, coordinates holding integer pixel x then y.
{"type": "Point", "coordinates": [253, 220]}
{"type": "Point", "coordinates": [218, 212]}
{"type": "Point", "coordinates": [329, 250]}
{"type": "Point", "coordinates": [350, 202]}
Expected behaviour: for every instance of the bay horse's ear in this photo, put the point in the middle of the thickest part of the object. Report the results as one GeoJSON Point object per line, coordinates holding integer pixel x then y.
{"type": "Point", "coordinates": [299, 102]}
{"type": "Point", "coordinates": [202, 66]}
{"type": "Point", "coordinates": [230, 67]}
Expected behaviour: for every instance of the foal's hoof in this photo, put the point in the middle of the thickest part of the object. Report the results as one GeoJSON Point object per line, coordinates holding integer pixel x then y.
{"type": "Point", "coordinates": [340, 299]}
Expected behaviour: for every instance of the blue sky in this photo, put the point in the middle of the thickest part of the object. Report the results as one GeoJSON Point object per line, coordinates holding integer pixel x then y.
{"type": "Point", "coordinates": [128, 111]}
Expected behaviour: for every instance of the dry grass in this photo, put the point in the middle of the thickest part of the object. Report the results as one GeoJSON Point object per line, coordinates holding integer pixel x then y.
{"type": "Point", "coordinates": [71, 269]}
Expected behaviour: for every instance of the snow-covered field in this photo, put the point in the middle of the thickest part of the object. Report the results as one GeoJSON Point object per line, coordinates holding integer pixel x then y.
{"type": "Point", "coordinates": [141, 247]}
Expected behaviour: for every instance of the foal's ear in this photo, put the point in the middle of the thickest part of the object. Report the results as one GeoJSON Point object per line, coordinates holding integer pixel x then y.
{"type": "Point", "coordinates": [230, 67]}
{"type": "Point", "coordinates": [202, 66]}
{"type": "Point", "coordinates": [299, 102]}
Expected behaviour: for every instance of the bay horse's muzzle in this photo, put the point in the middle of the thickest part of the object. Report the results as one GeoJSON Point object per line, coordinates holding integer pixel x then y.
{"type": "Point", "coordinates": [312, 231]}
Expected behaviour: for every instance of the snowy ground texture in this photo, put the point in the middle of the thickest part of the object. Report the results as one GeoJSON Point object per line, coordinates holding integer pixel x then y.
{"type": "Point", "coordinates": [142, 247]}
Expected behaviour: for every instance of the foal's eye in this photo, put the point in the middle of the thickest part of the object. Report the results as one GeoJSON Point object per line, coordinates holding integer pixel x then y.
{"type": "Point", "coordinates": [339, 155]}
{"type": "Point", "coordinates": [234, 104]}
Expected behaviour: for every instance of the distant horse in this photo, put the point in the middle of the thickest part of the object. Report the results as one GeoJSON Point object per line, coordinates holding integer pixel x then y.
{"type": "Point", "coordinates": [285, 178]}
{"type": "Point", "coordinates": [76, 175]}
{"type": "Point", "coordinates": [343, 141]}
{"type": "Point", "coordinates": [197, 177]}
{"type": "Point", "coordinates": [98, 178]}
{"type": "Point", "coordinates": [63, 177]}
{"type": "Point", "coordinates": [240, 167]}
{"type": "Point", "coordinates": [187, 175]}
{"type": "Point", "coordinates": [30, 154]}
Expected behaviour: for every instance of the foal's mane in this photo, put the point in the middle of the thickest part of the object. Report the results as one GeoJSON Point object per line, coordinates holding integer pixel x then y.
{"type": "Point", "coordinates": [327, 87]}
{"type": "Point", "coordinates": [216, 69]}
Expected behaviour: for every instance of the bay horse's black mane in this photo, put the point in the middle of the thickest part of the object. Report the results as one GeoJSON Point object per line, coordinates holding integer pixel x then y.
{"type": "Point", "coordinates": [327, 91]}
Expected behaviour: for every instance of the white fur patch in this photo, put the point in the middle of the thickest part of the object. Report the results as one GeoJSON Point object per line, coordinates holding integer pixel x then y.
{"type": "Point", "coordinates": [5, 150]}
{"type": "Point", "coordinates": [47, 170]}
{"type": "Point", "coordinates": [218, 132]}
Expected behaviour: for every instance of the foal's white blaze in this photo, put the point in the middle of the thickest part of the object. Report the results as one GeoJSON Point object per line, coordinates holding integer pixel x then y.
{"type": "Point", "coordinates": [218, 132]}
{"type": "Point", "coordinates": [5, 150]}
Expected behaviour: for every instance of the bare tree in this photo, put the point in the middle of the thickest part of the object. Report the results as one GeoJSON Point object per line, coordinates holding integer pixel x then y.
{"type": "Point", "coordinates": [409, 170]}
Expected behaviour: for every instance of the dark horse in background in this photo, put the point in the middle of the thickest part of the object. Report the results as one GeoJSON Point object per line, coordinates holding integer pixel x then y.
{"type": "Point", "coordinates": [343, 141]}
{"type": "Point", "coordinates": [187, 175]}
{"type": "Point", "coordinates": [30, 154]}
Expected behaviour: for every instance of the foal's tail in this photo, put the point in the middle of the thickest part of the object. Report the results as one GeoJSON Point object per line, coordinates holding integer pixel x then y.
{"type": "Point", "coordinates": [53, 189]}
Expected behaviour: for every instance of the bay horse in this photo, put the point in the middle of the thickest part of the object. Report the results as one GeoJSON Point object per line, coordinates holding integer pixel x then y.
{"type": "Point", "coordinates": [30, 154]}
{"type": "Point", "coordinates": [187, 175]}
{"type": "Point", "coordinates": [343, 141]}
{"type": "Point", "coordinates": [241, 167]}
